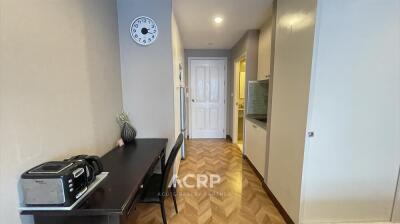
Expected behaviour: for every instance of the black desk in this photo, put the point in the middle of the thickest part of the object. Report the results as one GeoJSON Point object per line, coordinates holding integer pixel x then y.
{"type": "Point", "coordinates": [112, 201]}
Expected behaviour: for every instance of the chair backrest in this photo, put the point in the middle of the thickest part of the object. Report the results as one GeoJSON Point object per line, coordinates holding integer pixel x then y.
{"type": "Point", "coordinates": [170, 162]}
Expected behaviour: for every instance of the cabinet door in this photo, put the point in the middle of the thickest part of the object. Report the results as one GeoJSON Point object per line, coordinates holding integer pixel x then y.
{"type": "Point", "coordinates": [256, 146]}
{"type": "Point", "coordinates": [249, 140]}
{"type": "Point", "coordinates": [259, 156]}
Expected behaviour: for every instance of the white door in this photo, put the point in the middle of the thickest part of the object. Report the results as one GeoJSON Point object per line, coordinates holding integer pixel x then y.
{"type": "Point", "coordinates": [207, 100]}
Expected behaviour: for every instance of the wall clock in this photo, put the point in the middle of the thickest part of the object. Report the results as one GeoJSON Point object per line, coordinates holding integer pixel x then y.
{"type": "Point", "coordinates": [144, 30]}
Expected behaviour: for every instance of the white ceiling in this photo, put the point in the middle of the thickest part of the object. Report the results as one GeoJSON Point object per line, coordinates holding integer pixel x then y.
{"type": "Point", "coordinates": [196, 21]}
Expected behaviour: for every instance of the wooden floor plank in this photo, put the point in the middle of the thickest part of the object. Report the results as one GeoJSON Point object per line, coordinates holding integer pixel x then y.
{"type": "Point", "coordinates": [238, 198]}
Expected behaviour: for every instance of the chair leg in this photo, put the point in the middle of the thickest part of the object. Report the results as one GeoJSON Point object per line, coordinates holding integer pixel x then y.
{"type": "Point", "coordinates": [173, 193]}
{"type": "Point", "coordinates": [163, 212]}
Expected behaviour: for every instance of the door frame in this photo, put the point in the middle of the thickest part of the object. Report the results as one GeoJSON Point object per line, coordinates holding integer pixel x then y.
{"type": "Point", "coordinates": [235, 124]}
{"type": "Point", "coordinates": [225, 76]}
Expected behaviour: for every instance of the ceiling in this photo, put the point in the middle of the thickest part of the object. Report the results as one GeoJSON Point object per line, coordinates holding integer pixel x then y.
{"type": "Point", "coordinates": [195, 19]}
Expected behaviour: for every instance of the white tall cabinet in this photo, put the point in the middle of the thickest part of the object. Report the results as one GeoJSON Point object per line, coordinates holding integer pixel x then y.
{"type": "Point", "coordinates": [335, 130]}
{"type": "Point", "coordinates": [255, 141]}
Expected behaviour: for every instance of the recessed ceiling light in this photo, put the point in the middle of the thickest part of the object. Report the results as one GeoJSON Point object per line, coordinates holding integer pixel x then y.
{"type": "Point", "coordinates": [218, 19]}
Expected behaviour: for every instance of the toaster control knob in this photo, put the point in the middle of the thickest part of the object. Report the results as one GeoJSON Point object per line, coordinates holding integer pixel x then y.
{"type": "Point", "coordinates": [70, 181]}
{"type": "Point", "coordinates": [71, 189]}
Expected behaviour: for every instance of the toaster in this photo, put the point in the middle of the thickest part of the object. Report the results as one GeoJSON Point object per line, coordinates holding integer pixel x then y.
{"type": "Point", "coordinates": [93, 166]}
{"type": "Point", "coordinates": [57, 183]}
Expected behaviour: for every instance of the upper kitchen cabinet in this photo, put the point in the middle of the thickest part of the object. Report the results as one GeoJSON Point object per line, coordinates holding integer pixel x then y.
{"type": "Point", "coordinates": [264, 50]}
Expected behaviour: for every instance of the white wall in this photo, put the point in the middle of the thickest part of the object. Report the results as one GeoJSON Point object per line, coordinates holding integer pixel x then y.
{"type": "Point", "coordinates": [147, 71]}
{"type": "Point", "coordinates": [178, 58]}
{"type": "Point", "coordinates": [292, 70]}
{"type": "Point", "coordinates": [352, 163]}
{"type": "Point", "coordinates": [60, 86]}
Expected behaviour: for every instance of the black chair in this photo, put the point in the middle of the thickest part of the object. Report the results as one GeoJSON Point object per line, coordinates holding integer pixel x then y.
{"type": "Point", "coordinates": [155, 189]}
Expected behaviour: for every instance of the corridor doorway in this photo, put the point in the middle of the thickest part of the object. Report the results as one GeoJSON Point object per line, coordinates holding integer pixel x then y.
{"type": "Point", "coordinates": [239, 102]}
{"type": "Point", "coordinates": [207, 78]}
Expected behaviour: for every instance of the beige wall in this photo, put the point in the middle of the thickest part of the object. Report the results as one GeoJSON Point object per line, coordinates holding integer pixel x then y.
{"type": "Point", "coordinates": [292, 71]}
{"type": "Point", "coordinates": [60, 86]}
{"type": "Point", "coordinates": [177, 59]}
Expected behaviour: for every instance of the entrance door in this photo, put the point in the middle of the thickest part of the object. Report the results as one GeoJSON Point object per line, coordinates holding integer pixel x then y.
{"type": "Point", "coordinates": [207, 88]}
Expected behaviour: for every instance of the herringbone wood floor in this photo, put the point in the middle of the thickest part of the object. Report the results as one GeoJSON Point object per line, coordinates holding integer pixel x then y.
{"type": "Point", "coordinates": [239, 198]}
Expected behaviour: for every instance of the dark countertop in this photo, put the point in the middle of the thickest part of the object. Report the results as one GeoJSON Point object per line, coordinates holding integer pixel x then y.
{"type": "Point", "coordinates": [127, 167]}
{"type": "Point", "coordinates": [260, 124]}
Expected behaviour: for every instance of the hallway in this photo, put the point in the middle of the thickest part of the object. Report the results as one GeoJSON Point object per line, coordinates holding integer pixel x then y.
{"type": "Point", "coordinates": [238, 198]}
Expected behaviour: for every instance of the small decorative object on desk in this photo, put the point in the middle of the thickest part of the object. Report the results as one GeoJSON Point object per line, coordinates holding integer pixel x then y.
{"type": "Point", "coordinates": [120, 142]}
{"type": "Point", "coordinates": [128, 133]}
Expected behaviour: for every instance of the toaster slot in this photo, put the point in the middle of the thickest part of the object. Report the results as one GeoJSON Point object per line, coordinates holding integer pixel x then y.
{"type": "Point", "coordinates": [78, 172]}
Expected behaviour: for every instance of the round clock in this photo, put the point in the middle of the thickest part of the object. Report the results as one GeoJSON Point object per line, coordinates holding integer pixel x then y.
{"type": "Point", "coordinates": [144, 30]}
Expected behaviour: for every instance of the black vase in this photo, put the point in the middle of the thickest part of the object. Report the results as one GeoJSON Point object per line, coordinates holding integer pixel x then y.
{"type": "Point", "coordinates": [128, 133]}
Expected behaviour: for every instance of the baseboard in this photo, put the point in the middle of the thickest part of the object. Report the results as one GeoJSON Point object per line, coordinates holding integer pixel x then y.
{"type": "Point", "coordinates": [254, 169]}
{"type": "Point", "coordinates": [278, 205]}
{"type": "Point", "coordinates": [335, 222]}
{"type": "Point", "coordinates": [274, 200]}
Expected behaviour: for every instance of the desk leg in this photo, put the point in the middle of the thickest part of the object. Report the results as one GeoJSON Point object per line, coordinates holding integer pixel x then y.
{"type": "Point", "coordinates": [162, 160]}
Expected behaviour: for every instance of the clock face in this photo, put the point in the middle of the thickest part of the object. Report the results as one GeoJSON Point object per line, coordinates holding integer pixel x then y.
{"type": "Point", "coordinates": [144, 30]}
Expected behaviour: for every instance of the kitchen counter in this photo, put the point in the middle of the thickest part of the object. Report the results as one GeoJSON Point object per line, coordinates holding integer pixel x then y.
{"type": "Point", "coordinates": [260, 124]}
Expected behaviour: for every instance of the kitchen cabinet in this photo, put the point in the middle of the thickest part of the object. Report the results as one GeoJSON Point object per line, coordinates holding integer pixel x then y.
{"type": "Point", "coordinates": [255, 144]}
{"type": "Point", "coordinates": [264, 51]}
